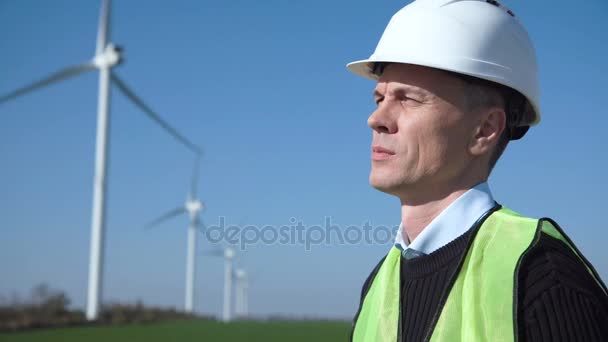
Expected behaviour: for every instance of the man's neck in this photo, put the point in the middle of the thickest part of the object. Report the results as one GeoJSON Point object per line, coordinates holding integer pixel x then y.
{"type": "Point", "coordinates": [418, 213]}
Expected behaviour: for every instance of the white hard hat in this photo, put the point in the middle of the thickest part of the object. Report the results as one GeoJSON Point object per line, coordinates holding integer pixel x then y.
{"type": "Point", "coordinates": [478, 38]}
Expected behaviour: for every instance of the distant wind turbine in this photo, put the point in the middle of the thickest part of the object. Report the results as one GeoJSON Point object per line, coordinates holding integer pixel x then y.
{"type": "Point", "coordinates": [107, 56]}
{"type": "Point", "coordinates": [228, 259]}
{"type": "Point", "coordinates": [192, 207]}
{"type": "Point", "coordinates": [241, 289]}
{"type": "Point", "coordinates": [228, 254]}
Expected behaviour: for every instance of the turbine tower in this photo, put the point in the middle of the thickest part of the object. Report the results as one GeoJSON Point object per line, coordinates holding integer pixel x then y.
{"type": "Point", "coordinates": [107, 56]}
{"type": "Point", "coordinates": [228, 254]}
{"type": "Point", "coordinates": [192, 207]}
{"type": "Point", "coordinates": [228, 259]}
{"type": "Point", "coordinates": [241, 288]}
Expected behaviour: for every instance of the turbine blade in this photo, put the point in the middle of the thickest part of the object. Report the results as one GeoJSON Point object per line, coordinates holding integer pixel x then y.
{"type": "Point", "coordinates": [55, 77]}
{"type": "Point", "coordinates": [165, 217]}
{"type": "Point", "coordinates": [103, 31]}
{"type": "Point", "coordinates": [195, 171]}
{"type": "Point", "coordinates": [200, 225]}
{"type": "Point", "coordinates": [154, 116]}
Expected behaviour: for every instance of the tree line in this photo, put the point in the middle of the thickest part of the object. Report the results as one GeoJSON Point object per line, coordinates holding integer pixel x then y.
{"type": "Point", "coordinates": [47, 307]}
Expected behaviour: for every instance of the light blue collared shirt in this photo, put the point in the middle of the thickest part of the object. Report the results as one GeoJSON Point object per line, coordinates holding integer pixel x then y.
{"type": "Point", "coordinates": [452, 222]}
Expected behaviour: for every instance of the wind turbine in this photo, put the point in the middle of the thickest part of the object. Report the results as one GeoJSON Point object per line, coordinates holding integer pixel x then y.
{"type": "Point", "coordinates": [228, 254]}
{"type": "Point", "coordinates": [241, 289]}
{"type": "Point", "coordinates": [192, 207]}
{"type": "Point", "coordinates": [107, 56]}
{"type": "Point", "coordinates": [228, 258]}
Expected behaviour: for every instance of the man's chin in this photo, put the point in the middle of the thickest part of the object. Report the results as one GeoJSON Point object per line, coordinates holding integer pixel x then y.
{"type": "Point", "coordinates": [384, 184]}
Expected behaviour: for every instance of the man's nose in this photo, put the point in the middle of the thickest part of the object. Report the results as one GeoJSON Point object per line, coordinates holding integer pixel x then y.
{"type": "Point", "coordinates": [382, 120]}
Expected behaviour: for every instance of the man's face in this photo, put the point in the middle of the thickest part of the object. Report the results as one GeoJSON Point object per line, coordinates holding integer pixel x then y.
{"type": "Point", "coordinates": [421, 130]}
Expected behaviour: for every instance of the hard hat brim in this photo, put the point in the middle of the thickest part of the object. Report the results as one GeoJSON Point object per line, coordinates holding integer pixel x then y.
{"type": "Point", "coordinates": [364, 68]}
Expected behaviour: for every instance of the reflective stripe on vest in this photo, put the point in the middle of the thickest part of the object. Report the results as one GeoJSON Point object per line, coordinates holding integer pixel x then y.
{"type": "Point", "coordinates": [480, 305]}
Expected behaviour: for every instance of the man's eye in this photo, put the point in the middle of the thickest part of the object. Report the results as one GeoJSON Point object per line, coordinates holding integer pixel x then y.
{"type": "Point", "coordinates": [410, 99]}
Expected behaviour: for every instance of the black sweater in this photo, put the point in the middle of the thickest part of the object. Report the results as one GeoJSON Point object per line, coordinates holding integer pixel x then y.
{"type": "Point", "coordinates": [558, 300]}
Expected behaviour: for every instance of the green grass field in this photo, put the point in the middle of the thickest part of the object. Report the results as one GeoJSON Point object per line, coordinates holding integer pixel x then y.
{"type": "Point", "coordinates": [192, 331]}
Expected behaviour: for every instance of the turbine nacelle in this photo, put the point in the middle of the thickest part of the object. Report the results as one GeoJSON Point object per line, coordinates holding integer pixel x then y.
{"type": "Point", "coordinates": [240, 274]}
{"type": "Point", "coordinates": [229, 253]}
{"type": "Point", "coordinates": [194, 206]}
{"type": "Point", "coordinates": [111, 56]}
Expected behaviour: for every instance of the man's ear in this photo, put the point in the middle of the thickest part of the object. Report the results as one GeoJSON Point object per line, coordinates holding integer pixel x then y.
{"type": "Point", "coordinates": [487, 133]}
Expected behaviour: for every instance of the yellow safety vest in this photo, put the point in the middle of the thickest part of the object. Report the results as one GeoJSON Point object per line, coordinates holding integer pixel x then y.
{"type": "Point", "coordinates": [481, 303]}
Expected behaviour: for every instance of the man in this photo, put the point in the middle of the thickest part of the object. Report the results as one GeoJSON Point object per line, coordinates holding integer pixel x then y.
{"type": "Point", "coordinates": [456, 81]}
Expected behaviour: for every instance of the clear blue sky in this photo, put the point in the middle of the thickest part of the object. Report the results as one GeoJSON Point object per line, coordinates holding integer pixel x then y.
{"type": "Point", "coordinates": [263, 88]}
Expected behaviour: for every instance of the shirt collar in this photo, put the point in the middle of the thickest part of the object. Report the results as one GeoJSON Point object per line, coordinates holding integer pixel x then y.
{"type": "Point", "coordinates": [452, 222]}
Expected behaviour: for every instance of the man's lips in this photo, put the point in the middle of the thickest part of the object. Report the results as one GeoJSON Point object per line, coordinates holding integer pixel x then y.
{"type": "Point", "coordinates": [381, 153]}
